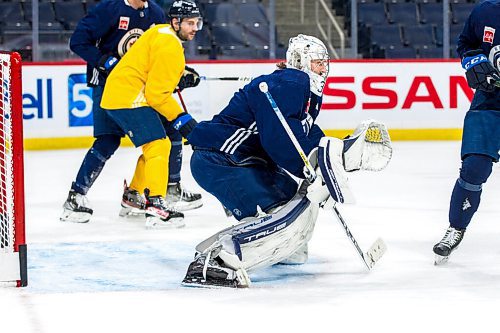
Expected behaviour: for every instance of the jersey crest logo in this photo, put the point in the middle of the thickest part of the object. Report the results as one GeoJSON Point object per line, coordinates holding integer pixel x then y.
{"type": "Point", "coordinates": [123, 25]}
{"type": "Point", "coordinates": [488, 35]}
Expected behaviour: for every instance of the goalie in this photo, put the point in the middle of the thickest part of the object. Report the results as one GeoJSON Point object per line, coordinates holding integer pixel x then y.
{"type": "Point", "coordinates": [244, 157]}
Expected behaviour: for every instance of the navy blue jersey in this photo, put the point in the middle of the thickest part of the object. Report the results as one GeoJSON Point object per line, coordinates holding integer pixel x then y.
{"type": "Point", "coordinates": [102, 29]}
{"type": "Point", "coordinates": [482, 28]}
{"type": "Point", "coordinates": [482, 31]}
{"type": "Point", "coordinates": [248, 125]}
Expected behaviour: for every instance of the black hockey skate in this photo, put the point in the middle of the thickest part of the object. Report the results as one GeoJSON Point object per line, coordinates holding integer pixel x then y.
{"type": "Point", "coordinates": [76, 208]}
{"type": "Point", "coordinates": [133, 203]}
{"type": "Point", "coordinates": [181, 199]}
{"type": "Point", "coordinates": [159, 215]}
{"type": "Point", "coordinates": [211, 272]}
{"type": "Point", "coordinates": [448, 244]}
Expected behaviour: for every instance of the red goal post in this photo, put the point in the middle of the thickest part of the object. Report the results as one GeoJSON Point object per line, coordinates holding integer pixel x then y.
{"type": "Point", "coordinates": [13, 261]}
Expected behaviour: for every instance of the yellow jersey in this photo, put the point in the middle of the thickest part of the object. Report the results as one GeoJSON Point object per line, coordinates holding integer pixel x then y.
{"type": "Point", "coordinates": [148, 74]}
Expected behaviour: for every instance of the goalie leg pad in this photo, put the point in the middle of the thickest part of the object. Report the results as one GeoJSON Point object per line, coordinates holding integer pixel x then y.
{"type": "Point", "coordinates": [332, 170]}
{"type": "Point", "coordinates": [368, 148]}
{"type": "Point", "coordinates": [266, 240]}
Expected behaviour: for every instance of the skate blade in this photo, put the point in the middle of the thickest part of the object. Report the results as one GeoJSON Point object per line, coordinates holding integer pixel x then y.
{"type": "Point", "coordinates": [131, 212]}
{"type": "Point", "coordinates": [75, 217]}
{"type": "Point", "coordinates": [205, 285]}
{"type": "Point", "coordinates": [183, 206]}
{"type": "Point", "coordinates": [440, 260]}
{"type": "Point", "coordinates": [153, 222]}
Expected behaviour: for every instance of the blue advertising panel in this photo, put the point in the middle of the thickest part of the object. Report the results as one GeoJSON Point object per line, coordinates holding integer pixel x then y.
{"type": "Point", "coordinates": [79, 101]}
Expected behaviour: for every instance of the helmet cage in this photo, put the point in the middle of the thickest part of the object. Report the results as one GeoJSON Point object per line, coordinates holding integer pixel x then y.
{"type": "Point", "coordinates": [302, 50]}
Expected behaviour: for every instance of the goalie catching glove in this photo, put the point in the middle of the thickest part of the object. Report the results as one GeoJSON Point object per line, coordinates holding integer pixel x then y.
{"type": "Point", "coordinates": [368, 148]}
{"type": "Point", "coordinates": [480, 72]}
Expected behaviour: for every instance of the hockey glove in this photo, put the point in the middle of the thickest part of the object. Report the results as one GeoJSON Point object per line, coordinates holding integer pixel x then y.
{"type": "Point", "coordinates": [184, 123]}
{"type": "Point", "coordinates": [190, 78]}
{"type": "Point", "coordinates": [480, 73]}
{"type": "Point", "coordinates": [106, 63]}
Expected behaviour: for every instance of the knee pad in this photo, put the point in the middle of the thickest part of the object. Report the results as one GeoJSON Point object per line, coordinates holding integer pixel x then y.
{"type": "Point", "coordinates": [476, 169]}
{"type": "Point", "coordinates": [106, 145]}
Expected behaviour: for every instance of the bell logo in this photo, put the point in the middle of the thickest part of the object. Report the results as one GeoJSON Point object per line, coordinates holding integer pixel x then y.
{"type": "Point", "coordinates": [488, 35]}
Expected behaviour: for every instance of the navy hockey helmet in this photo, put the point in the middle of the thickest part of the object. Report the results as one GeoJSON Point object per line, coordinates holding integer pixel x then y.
{"type": "Point", "coordinates": [184, 9]}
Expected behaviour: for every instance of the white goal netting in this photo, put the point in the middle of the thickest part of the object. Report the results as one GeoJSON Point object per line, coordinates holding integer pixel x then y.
{"type": "Point", "coordinates": [6, 175]}
{"type": "Point", "coordinates": [12, 235]}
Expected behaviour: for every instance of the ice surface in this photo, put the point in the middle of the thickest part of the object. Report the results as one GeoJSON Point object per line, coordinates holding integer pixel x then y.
{"type": "Point", "coordinates": [112, 275]}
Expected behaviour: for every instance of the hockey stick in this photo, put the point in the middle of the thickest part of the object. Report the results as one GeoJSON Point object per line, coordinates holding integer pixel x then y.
{"type": "Point", "coordinates": [228, 78]}
{"type": "Point", "coordinates": [378, 248]}
{"type": "Point", "coordinates": [310, 174]}
{"type": "Point", "coordinates": [182, 100]}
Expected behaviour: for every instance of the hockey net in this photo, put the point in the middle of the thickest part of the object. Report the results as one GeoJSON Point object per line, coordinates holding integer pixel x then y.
{"type": "Point", "coordinates": [13, 264]}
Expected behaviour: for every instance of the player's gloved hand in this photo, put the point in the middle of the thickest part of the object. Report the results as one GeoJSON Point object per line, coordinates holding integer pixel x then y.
{"type": "Point", "coordinates": [184, 123]}
{"type": "Point", "coordinates": [480, 73]}
{"type": "Point", "coordinates": [106, 63]}
{"type": "Point", "coordinates": [190, 78]}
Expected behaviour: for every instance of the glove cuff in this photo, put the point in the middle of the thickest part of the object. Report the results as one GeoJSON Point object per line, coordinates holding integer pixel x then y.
{"type": "Point", "coordinates": [470, 61]}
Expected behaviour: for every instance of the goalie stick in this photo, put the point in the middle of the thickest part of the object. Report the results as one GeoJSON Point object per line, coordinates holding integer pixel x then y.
{"type": "Point", "coordinates": [378, 248]}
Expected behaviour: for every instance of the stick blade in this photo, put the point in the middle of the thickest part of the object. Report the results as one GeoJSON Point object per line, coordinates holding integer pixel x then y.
{"type": "Point", "coordinates": [375, 252]}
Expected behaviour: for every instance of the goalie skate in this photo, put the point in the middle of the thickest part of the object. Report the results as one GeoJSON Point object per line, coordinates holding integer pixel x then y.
{"type": "Point", "coordinates": [208, 273]}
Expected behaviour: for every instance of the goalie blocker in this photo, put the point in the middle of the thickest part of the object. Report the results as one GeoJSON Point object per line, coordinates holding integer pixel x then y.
{"type": "Point", "coordinates": [225, 258]}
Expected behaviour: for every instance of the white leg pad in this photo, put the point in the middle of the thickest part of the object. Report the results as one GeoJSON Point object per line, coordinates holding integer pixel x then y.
{"type": "Point", "coordinates": [267, 240]}
{"type": "Point", "coordinates": [331, 169]}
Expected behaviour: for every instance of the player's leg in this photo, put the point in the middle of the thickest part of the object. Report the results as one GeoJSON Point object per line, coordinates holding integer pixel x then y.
{"type": "Point", "coordinates": [480, 146]}
{"type": "Point", "coordinates": [108, 136]}
{"type": "Point", "coordinates": [133, 202]}
{"type": "Point", "coordinates": [242, 185]}
{"type": "Point", "coordinates": [465, 200]}
{"type": "Point", "coordinates": [177, 195]}
{"type": "Point", "coordinates": [152, 173]}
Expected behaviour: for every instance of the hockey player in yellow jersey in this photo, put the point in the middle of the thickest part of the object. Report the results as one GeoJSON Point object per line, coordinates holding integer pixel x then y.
{"type": "Point", "coordinates": [138, 96]}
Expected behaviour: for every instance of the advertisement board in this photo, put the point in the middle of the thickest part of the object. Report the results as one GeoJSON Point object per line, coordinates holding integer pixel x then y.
{"type": "Point", "coordinates": [416, 99]}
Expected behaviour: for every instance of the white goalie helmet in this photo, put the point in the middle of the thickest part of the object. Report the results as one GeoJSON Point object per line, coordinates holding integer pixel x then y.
{"type": "Point", "coordinates": [301, 51]}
